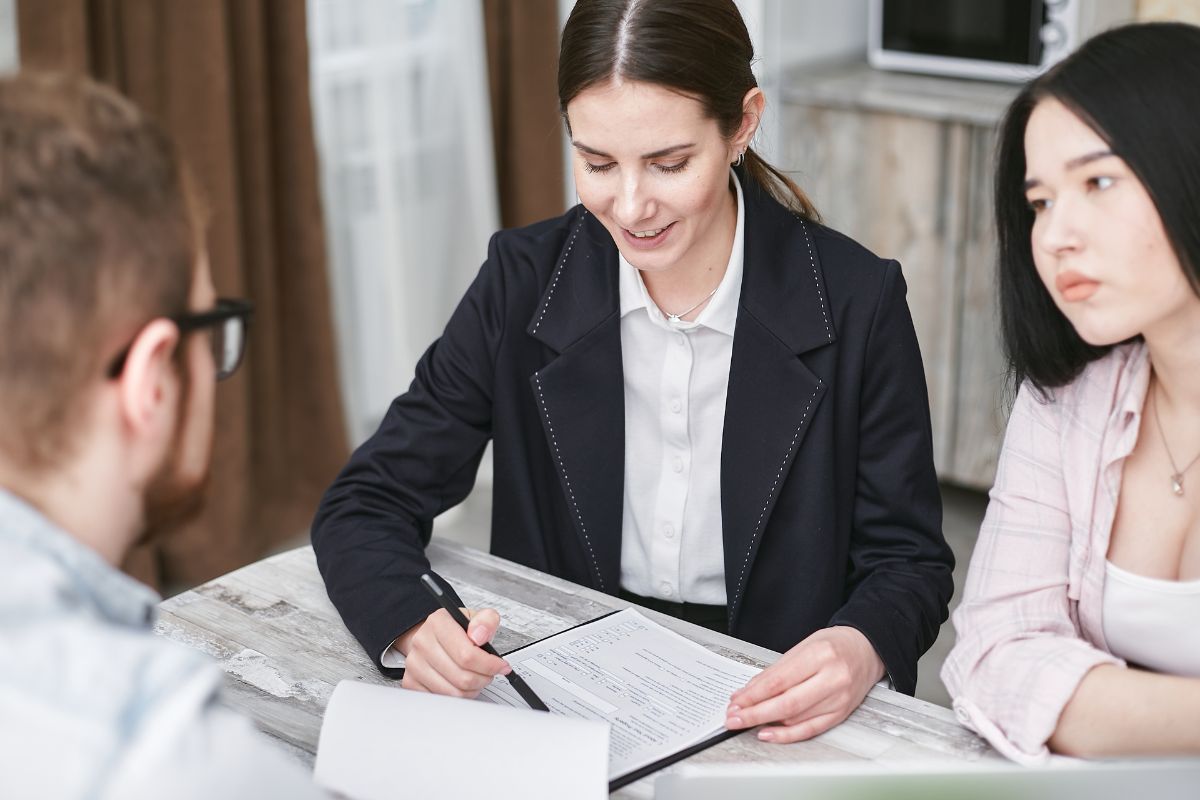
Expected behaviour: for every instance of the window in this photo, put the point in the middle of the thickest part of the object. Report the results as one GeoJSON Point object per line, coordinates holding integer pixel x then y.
{"type": "Point", "coordinates": [404, 138]}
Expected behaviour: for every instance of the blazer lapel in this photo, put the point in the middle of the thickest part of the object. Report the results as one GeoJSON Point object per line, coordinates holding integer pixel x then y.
{"type": "Point", "coordinates": [580, 393]}
{"type": "Point", "coordinates": [772, 395]}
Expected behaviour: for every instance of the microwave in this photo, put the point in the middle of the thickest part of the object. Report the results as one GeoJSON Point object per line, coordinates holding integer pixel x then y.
{"type": "Point", "coordinates": [1006, 40]}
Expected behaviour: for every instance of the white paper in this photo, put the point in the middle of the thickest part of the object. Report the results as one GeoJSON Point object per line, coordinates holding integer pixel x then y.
{"type": "Point", "coordinates": [514, 615]}
{"type": "Point", "coordinates": [660, 691]}
{"type": "Point", "coordinates": [380, 742]}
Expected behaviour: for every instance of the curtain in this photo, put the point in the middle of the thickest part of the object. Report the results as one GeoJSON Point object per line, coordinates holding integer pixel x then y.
{"type": "Point", "coordinates": [522, 49]}
{"type": "Point", "coordinates": [229, 80]}
{"type": "Point", "coordinates": [404, 134]}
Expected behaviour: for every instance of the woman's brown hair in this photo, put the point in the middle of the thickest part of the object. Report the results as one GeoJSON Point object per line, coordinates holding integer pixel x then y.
{"type": "Point", "coordinates": [699, 48]}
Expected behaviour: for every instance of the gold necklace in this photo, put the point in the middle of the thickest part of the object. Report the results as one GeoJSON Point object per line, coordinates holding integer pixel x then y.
{"type": "Point", "coordinates": [1176, 472]}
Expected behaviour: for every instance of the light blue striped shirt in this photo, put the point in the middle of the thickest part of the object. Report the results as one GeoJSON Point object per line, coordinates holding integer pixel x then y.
{"type": "Point", "coordinates": [92, 703]}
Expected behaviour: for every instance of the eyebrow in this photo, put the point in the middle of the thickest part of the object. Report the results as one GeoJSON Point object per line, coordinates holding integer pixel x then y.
{"type": "Point", "coordinates": [666, 151]}
{"type": "Point", "coordinates": [1074, 163]}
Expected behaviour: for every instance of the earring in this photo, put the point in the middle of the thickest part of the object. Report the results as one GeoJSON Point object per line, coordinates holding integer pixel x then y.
{"type": "Point", "coordinates": [741, 157]}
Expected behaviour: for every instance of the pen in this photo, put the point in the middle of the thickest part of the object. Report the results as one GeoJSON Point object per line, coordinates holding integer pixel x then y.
{"type": "Point", "coordinates": [451, 605]}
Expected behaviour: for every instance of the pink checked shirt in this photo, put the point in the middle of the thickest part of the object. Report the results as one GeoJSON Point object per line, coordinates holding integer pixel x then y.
{"type": "Point", "coordinates": [1029, 624]}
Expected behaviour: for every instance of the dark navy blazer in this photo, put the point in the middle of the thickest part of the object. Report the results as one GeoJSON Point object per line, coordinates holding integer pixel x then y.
{"type": "Point", "coordinates": [830, 506]}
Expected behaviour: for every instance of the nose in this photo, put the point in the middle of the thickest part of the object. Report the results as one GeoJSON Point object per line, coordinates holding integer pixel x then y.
{"type": "Point", "coordinates": [1056, 229]}
{"type": "Point", "coordinates": [633, 204]}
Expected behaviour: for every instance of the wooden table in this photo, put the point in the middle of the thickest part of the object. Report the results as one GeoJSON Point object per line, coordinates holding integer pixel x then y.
{"type": "Point", "coordinates": [284, 649]}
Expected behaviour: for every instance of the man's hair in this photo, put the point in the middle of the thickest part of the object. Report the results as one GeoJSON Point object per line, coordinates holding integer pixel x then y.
{"type": "Point", "coordinates": [98, 236]}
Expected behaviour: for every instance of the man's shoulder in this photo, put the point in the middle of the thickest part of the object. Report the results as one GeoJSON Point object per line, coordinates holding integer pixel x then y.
{"type": "Point", "coordinates": [73, 664]}
{"type": "Point", "coordinates": [68, 668]}
{"type": "Point", "coordinates": [134, 714]}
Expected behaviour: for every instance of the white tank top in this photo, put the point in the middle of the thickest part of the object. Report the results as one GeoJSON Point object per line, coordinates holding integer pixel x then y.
{"type": "Point", "coordinates": [1152, 622]}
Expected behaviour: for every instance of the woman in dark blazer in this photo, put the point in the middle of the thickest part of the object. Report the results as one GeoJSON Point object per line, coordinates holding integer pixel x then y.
{"type": "Point", "coordinates": [830, 517]}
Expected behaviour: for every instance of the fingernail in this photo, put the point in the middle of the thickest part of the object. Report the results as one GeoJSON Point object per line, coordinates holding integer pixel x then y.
{"type": "Point", "coordinates": [766, 736]}
{"type": "Point", "coordinates": [479, 636]}
{"type": "Point", "coordinates": [733, 722]}
{"type": "Point", "coordinates": [507, 669]}
{"type": "Point", "coordinates": [734, 708]}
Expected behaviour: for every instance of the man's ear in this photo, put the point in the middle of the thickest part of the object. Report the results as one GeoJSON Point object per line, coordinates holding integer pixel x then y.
{"type": "Point", "coordinates": [149, 383]}
{"type": "Point", "coordinates": [753, 104]}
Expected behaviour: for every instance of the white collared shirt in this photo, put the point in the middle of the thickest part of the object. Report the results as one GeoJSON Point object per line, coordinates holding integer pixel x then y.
{"type": "Point", "coordinates": [676, 382]}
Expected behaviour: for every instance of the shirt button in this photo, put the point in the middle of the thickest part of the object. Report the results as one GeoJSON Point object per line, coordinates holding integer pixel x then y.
{"type": "Point", "coordinates": [669, 531]}
{"type": "Point", "coordinates": [682, 339]}
{"type": "Point", "coordinates": [676, 406]}
{"type": "Point", "coordinates": [665, 587]}
{"type": "Point", "coordinates": [677, 464]}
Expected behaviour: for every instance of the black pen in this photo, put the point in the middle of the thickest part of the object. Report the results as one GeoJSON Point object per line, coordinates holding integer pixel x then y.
{"type": "Point", "coordinates": [443, 598]}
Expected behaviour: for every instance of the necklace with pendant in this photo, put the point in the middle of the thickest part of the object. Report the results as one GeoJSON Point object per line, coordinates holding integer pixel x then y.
{"type": "Point", "coordinates": [706, 298]}
{"type": "Point", "coordinates": [1176, 472]}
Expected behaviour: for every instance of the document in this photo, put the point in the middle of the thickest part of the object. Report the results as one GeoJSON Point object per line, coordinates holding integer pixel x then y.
{"type": "Point", "coordinates": [384, 742]}
{"type": "Point", "coordinates": [659, 692]}
{"type": "Point", "coordinates": [626, 696]}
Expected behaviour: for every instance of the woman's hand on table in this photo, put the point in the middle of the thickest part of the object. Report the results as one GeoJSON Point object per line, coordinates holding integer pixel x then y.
{"type": "Point", "coordinates": [811, 688]}
{"type": "Point", "coordinates": [440, 657]}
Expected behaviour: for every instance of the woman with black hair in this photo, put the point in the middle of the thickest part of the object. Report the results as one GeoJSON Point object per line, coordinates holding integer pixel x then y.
{"type": "Point", "coordinates": [1077, 630]}
{"type": "Point", "coordinates": [700, 399]}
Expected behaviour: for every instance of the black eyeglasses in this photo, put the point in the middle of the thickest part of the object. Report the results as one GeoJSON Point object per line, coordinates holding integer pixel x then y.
{"type": "Point", "coordinates": [229, 321]}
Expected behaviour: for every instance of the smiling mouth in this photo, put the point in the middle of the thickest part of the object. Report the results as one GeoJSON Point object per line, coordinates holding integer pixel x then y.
{"type": "Point", "coordinates": [650, 234]}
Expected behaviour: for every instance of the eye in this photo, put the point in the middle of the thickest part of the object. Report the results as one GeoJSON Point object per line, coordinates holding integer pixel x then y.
{"type": "Point", "coordinates": [590, 167]}
{"type": "Point", "coordinates": [1100, 182]}
{"type": "Point", "coordinates": [1038, 204]}
{"type": "Point", "coordinates": [669, 168]}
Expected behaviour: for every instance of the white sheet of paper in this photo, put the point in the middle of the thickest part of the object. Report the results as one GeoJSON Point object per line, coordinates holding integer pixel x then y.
{"type": "Point", "coordinates": [380, 742]}
{"type": "Point", "coordinates": [660, 691]}
{"type": "Point", "coordinates": [515, 615]}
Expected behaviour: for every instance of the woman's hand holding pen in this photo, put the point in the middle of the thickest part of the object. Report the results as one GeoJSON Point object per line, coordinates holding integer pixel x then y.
{"type": "Point", "coordinates": [811, 688]}
{"type": "Point", "coordinates": [440, 658]}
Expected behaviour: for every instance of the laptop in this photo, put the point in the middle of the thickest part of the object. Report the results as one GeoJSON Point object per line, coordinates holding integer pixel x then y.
{"type": "Point", "coordinates": [1157, 779]}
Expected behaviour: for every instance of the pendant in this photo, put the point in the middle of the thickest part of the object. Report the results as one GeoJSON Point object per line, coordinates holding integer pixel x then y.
{"type": "Point", "coordinates": [1177, 484]}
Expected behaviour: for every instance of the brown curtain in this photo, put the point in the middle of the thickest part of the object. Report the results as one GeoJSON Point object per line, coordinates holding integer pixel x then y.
{"type": "Point", "coordinates": [522, 44]}
{"type": "Point", "coordinates": [229, 79]}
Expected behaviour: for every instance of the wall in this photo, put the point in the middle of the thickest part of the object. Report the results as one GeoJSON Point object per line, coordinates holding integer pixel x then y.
{"type": "Point", "coordinates": [1182, 10]}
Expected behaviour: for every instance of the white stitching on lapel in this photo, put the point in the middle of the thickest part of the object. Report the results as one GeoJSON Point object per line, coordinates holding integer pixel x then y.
{"type": "Point", "coordinates": [816, 279]}
{"type": "Point", "coordinates": [737, 592]}
{"type": "Point", "coordinates": [570, 492]}
{"type": "Point", "coordinates": [558, 270]}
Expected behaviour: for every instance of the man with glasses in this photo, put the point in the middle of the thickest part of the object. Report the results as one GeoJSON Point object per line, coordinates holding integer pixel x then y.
{"type": "Point", "coordinates": [111, 343]}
